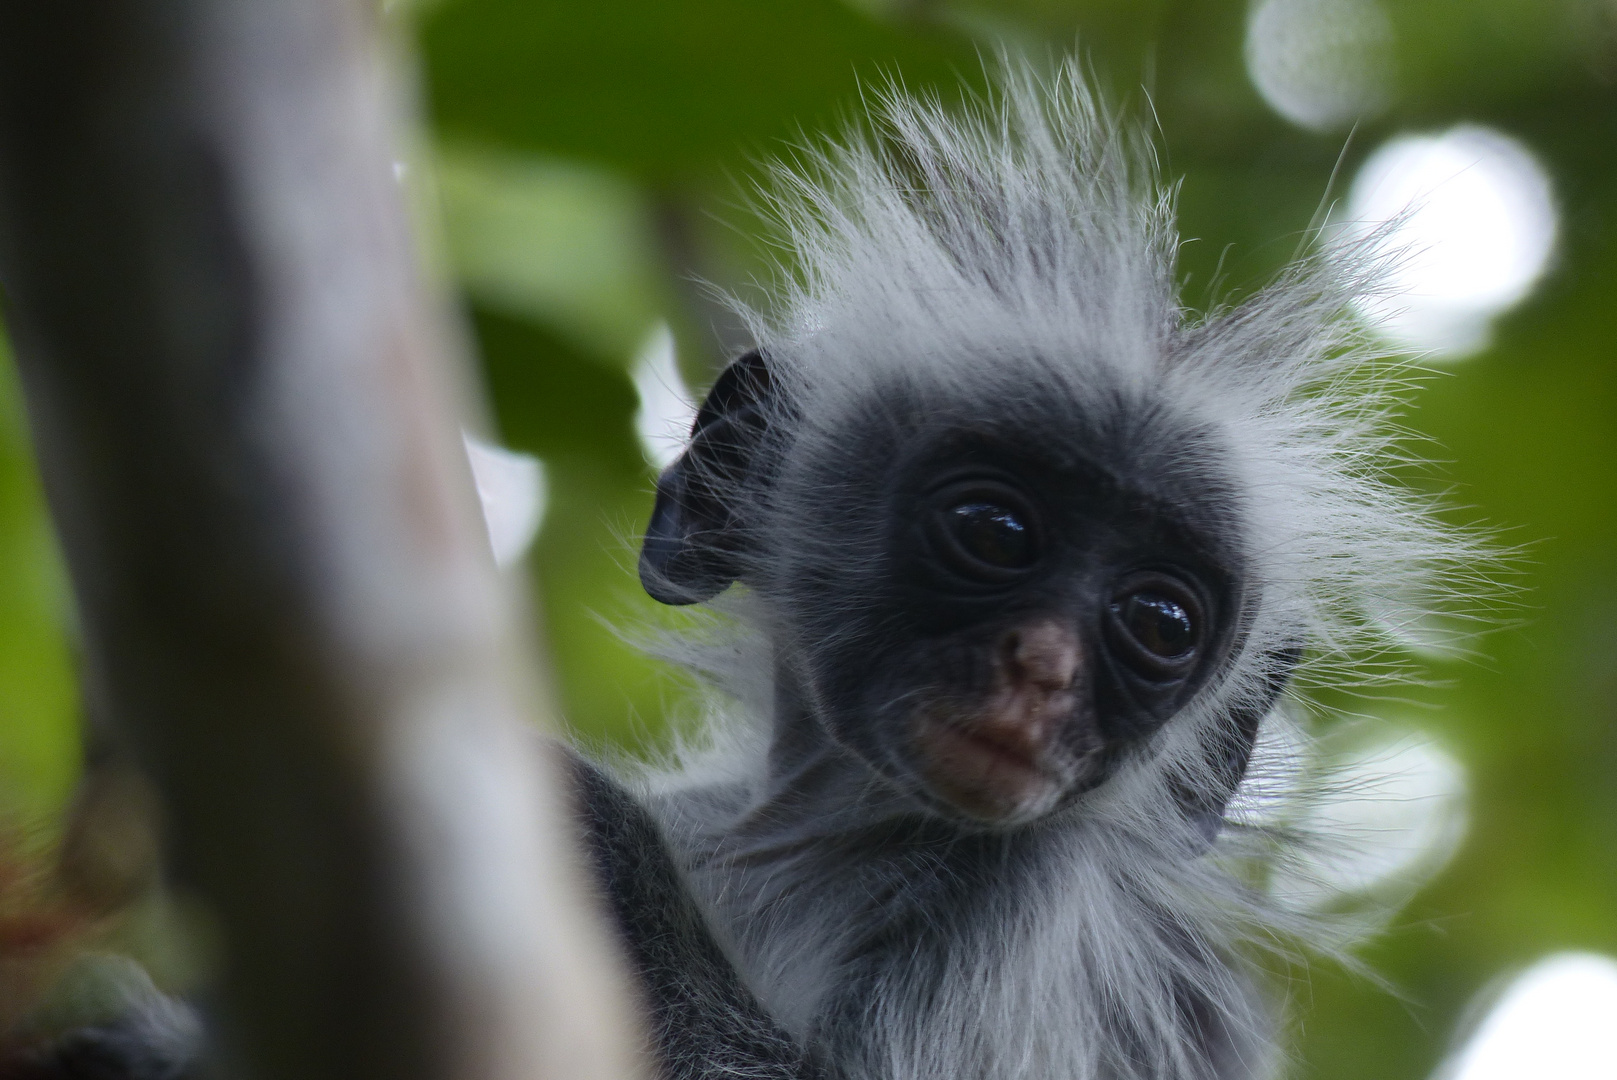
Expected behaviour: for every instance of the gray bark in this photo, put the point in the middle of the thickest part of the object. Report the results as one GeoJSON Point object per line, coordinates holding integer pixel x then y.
{"type": "Point", "coordinates": [247, 413]}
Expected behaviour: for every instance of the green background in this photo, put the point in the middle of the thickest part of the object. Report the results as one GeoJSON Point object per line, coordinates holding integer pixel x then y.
{"type": "Point", "coordinates": [592, 158]}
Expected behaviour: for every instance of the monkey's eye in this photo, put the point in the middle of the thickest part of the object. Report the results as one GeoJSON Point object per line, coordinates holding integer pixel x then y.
{"type": "Point", "coordinates": [1156, 626]}
{"type": "Point", "coordinates": [991, 534]}
{"type": "Point", "coordinates": [985, 533]}
{"type": "Point", "coordinates": [1162, 625]}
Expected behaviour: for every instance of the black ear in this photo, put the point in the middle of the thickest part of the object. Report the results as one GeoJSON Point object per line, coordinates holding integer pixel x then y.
{"type": "Point", "coordinates": [1232, 752]}
{"type": "Point", "coordinates": [694, 540]}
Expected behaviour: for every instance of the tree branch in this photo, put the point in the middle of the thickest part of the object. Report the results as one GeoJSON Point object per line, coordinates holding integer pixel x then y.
{"type": "Point", "coordinates": [246, 421]}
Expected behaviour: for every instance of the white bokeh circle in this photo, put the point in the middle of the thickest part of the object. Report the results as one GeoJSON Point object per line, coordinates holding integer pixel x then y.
{"type": "Point", "coordinates": [667, 407]}
{"type": "Point", "coordinates": [1467, 222]}
{"type": "Point", "coordinates": [1321, 64]}
{"type": "Point", "coordinates": [1389, 813]}
{"type": "Point", "coordinates": [1557, 1020]}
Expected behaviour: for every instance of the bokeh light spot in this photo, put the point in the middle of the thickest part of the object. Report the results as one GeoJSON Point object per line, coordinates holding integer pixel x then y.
{"type": "Point", "coordinates": [1557, 1020]}
{"type": "Point", "coordinates": [667, 407]}
{"type": "Point", "coordinates": [1386, 811]}
{"type": "Point", "coordinates": [511, 487]}
{"type": "Point", "coordinates": [1321, 64]}
{"type": "Point", "coordinates": [1467, 221]}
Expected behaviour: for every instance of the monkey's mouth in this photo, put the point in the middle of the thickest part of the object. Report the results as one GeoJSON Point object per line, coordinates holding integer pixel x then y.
{"type": "Point", "coordinates": [995, 774]}
{"type": "Point", "coordinates": [1019, 747]}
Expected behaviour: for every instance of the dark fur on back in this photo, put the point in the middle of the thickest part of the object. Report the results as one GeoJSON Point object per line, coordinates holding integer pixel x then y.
{"type": "Point", "coordinates": [158, 1038]}
{"type": "Point", "coordinates": [705, 1022]}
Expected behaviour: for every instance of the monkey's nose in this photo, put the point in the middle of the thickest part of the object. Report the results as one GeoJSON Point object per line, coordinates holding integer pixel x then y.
{"type": "Point", "coordinates": [1042, 655]}
{"type": "Point", "coordinates": [1009, 755]}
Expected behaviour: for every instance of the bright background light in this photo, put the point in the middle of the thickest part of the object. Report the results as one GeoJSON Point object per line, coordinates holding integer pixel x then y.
{"type": "Point", "coordinates": [667, 407]}
{"type": "Point", "coordinates": [1469, 224]}
{"type": "Point", "coordinates": [1321, 64]}
{"type": "Point", "coordinates": [1389, 812]}
{"type": "Point", "coordinates": [511, 487]}
{"type": "Point", "coordinates": [1556, 1021]}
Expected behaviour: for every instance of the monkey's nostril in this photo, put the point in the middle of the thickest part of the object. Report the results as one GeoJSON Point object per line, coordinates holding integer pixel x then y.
{"type": "Point", "coordinates": [1010, 648]}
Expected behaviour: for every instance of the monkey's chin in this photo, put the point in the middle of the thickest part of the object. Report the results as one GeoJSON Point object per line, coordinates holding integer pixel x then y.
{"type": "Point", "coordinates": [986, 781]}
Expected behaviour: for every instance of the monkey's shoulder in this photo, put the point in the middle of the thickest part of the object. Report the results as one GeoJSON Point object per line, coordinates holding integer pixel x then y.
{"type": "Point", "coordinates": [155, 1038]}
{"type": "Point", "coordinates": [705, 1021]}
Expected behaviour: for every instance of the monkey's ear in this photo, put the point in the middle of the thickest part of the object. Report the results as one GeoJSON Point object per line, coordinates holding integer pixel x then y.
{"type": "Point", "coordinates": [694, 539]}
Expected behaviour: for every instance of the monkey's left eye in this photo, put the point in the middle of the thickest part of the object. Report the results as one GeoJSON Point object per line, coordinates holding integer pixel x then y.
{"type": "Point", "coordinates": [1158, 622]}
{"type": "Point", "coordinates": [1155, 626]}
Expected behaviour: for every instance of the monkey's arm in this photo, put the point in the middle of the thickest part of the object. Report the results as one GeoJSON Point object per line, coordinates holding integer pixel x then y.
{"type": "Point", "coordinates": [705, 1022]}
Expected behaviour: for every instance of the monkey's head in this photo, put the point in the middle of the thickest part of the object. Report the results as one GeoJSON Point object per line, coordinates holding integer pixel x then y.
{"type": "Point", "coordinates": [991, 600]}
{"type": "Point", "coordinates": [1025, 533]}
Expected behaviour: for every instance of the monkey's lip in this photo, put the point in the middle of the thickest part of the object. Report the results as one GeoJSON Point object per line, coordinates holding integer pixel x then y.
{"type": "Point", "coordinates": [991, 775]}
{"type": "Point", "coordinates": [1008, 750]}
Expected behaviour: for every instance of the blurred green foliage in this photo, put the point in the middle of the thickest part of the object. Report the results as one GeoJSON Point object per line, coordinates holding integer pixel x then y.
{"type": "Point", "coordinates": [39, 745]}
{"type": "Point", "coordinates": [595, 158]}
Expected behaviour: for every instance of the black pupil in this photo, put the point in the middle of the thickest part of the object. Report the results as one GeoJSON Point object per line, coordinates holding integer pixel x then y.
{"type": "Point", "coordinates": [1160, 624]}
{"type": "Point", "coordinates": [992, 534]}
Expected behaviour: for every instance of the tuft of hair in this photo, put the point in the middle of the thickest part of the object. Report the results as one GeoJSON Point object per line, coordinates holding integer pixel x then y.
{"type": "Point", "coordinates": [1023, 242]}
{"type": "Point", "coordinates": [955, 245]}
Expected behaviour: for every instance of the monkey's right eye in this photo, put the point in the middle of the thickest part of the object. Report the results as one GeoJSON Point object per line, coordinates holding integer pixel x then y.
{"type": "Point", "coordinates": [992, 534]}
{"type": "Point", "coordinates": [985, 535]}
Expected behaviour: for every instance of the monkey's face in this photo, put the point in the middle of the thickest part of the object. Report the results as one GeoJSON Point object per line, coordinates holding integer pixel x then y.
{"type": "Point", "coordinates": [992, 604]}
{"type": "Point", "coordinates": [1032, 612]}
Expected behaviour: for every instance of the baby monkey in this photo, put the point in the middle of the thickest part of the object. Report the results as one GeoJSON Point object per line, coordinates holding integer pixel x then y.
{"type": "Point", "coordinates": [1027, 555]}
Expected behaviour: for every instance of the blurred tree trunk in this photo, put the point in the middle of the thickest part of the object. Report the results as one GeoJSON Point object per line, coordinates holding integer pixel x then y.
{"type": "Point", "coordinates": [249, 428]}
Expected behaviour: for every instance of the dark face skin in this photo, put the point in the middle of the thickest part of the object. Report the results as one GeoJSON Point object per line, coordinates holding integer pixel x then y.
{"type": "Point", "coordinates": [991, 614]}
{"type": "Point", "coordinates": [1035, 616]}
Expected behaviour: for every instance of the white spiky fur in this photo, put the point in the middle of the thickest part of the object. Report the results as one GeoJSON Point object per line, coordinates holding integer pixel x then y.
{"type": "Point", "coordinates": [1032, 224]}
